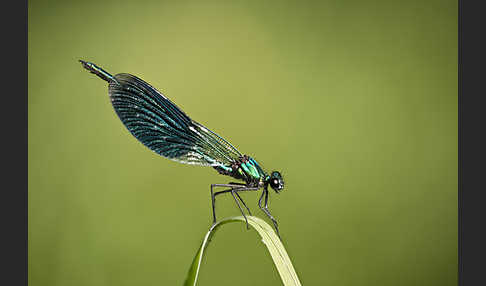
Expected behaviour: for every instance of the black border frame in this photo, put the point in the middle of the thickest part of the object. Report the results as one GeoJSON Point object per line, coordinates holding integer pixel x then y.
{"type": "Point", "coordinates": [471, 144]}
{"type": "Point", "coordinates": [14, 135]}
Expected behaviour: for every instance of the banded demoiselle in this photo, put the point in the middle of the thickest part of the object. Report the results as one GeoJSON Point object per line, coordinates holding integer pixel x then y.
{"type": "Point", "coordinates": [164, 128]}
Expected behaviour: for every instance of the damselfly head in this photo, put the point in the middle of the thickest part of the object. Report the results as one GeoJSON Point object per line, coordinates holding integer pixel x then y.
{"type": "Point", "coordinates": [276, 181]}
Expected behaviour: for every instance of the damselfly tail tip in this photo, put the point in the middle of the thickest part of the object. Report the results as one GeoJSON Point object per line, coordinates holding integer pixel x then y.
{"type": "Point", "coordinates": [97, 71]}
{"type": "Point", "coordinates": [86, 65]}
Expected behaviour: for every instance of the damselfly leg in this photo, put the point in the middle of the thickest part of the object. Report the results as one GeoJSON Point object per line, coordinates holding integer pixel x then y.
{"type": "Point", "coordinates": [234, 189]}
{"type": "Point", "coordinates": [236, 193]}
{"type": "Point", "coordinates": [265, 209]}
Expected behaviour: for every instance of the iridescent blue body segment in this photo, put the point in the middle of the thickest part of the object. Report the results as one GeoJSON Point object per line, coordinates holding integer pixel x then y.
{"type": "Point", "coordinates": [246, 169]}
{"type": "Point", "coordinates": [252, 169]}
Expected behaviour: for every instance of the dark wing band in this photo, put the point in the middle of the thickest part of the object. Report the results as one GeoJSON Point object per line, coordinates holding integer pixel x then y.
{"type": "Point", "coordinates": [161, 126]}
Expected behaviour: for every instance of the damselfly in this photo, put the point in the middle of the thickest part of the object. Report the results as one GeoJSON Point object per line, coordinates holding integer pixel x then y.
{"type": "Point", "coordinates": [164, 128]}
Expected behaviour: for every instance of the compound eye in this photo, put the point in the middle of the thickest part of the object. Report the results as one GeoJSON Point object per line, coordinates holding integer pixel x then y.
{"type": "Point", "coordinates": [274, 183]}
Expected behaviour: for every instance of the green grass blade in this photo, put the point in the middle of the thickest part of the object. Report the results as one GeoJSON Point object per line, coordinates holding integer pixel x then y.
{"type": "Point", "coordinates": [269, 238]}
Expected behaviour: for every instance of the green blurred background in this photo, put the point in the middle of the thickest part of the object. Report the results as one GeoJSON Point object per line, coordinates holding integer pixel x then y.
{"type": "Point", "coordinates": [354, 101]}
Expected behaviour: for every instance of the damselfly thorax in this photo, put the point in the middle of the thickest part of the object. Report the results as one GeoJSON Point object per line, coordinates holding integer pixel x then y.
{"type": "Point", "coordinates": [245, 169]}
